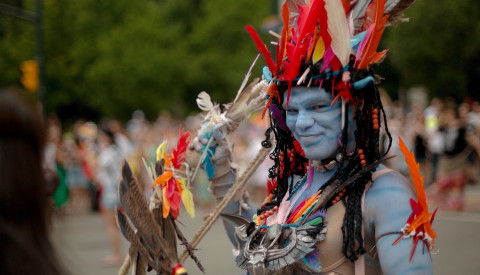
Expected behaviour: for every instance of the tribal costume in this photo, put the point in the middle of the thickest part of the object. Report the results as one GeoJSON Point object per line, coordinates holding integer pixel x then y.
{"type": "Point", "coordinates": [332, 207]}
{"type": "Point", "coordinates": [314, 219]}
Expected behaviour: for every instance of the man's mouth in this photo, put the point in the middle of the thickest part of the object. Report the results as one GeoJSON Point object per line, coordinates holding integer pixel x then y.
{"type": "Point", "coordinates": [310, 139]}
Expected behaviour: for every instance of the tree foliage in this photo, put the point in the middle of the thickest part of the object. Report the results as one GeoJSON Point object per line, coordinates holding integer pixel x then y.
{"type": "Point", "coordinates": [439, 48]}
{"type": "Point", "coordinates": [118, 56]}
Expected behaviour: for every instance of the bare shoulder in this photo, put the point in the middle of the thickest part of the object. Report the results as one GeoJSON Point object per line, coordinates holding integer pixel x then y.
{"type": "Point", "coordinates": [387, 201]}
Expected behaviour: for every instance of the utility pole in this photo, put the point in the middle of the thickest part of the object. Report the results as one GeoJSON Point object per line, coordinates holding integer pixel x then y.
{"type": "Point", "coordinates": [35, 18]}
{"type": "Point", "coordinates": [39, 47]}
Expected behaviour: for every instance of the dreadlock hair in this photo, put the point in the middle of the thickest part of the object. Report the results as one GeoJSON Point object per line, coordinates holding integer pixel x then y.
{"type": "Point", "coordinates": [286, 168]}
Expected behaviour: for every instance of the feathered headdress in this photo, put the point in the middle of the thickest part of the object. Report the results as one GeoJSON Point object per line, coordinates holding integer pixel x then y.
{"type": "Point", "coordinates": [330, 39]}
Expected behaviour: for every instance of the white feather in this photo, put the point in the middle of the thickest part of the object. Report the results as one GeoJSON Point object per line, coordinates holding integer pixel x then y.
{"type": "Point", "coordinates": [358, 13]}
{"type": "Point", "coordinates": [204, 102]}
{"type": "Point", "coordinates": [338, 30]}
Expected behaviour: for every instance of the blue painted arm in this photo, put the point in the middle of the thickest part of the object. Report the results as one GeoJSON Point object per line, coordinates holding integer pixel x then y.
{"type": "Point", "coordinates": [222, 176]}
{"type": "Point", "coordinates": [387, 208]}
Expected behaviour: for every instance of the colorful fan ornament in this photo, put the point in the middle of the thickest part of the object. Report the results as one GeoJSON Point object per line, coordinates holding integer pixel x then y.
{"type": "Point", "coordinates": [151, 227]}
{"type": "Point", "coordinates": [419, 223]}
{"type": "Point", "coordinates": [173, 180]}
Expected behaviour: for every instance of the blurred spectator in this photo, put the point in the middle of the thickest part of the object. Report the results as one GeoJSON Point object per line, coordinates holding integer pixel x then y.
{"type": "Point", "coordinates": [448, 189]}
{"type": "Point", "coordinates": [108, 175]}
{"type": "Point", "coordinates": [25, 247]}
{"type": "Point", "coordinates": [76, 179]}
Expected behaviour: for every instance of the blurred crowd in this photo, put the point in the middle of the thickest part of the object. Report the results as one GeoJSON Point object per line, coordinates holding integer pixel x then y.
{"type": "Point", "coordinates": [445, 138]}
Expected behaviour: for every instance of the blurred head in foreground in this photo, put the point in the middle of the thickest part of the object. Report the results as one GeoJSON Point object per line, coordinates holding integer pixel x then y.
{"type": "Point", "coordinates": [25, 247]}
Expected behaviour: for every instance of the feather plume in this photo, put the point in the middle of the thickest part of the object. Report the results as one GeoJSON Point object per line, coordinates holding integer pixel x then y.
{"type": "Point", "coordinates": [307, 21]}
{"type": "Point", "coordinates": [250, 100]}
{"type": "Point", "coordinates": [283, 209]}
{"type": "Point", "coordinates": [319, 51]}
{"type": "Point", "coordinates": [358, 13]}
{"type": "Point", "coordinates": [369, 50]}
{"type": "Point", "coordinates": [179, 151]}
{"type": "Point", "coordinates": [338, 30]}
{"type": "Point", "coordinates": [245, 79]}
{"type": "Point", "coordinates": [277, 117]}
{"type": "Point", "coordinates": [146, 236]}
{"type": "Point", "coordinates": [263, 49]}
{"type": "Point", "coordinates": [309, 202]}
{"type": "Point", "coordinates": [395, 8]}
{"type": "Point", "coordinates": [283, 39]}
{"type": "Point", "coordinates": [294, 4]}
{"type": "Point", "coordinates": [417, 179]}
{"type": "Point", "coordinates": [419, 223]}
{"type": "Point", "coordinates": [204, 102]}
{"type": "Point", "coordinates": [152, 237]}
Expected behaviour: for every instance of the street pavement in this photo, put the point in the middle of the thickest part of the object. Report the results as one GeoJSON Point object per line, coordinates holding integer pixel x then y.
{"type": "Point", "coordinates": [81, 242]}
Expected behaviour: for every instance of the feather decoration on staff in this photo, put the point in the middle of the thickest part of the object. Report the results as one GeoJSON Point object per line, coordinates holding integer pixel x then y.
{"type": "Point", "coordinates": [419, 223]}
{"type": "Point", "coordinates": [367, 52]}
{"type": "Point", "coordinates": [172, 181]}
{"type": "Point", "coordinates": [152, 237]}
{"type": "Point", "coordinates": [338, 30]}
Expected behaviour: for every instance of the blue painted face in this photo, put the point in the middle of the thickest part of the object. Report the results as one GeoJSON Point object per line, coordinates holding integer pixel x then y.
{"type": "Point", "coordinates": [314, 123]}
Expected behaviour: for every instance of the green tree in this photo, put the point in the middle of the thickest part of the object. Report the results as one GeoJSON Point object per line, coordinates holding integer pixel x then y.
{"type": "Point", "coordinates": [439, 48]}
{"type": "Point", "coordinates": [118, 56]}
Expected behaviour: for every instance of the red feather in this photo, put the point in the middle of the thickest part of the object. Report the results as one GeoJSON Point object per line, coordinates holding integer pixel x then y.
{"type": "Point", "coordinates": [307, 21]}
{"type": "Point", "coordinates": [179, 152]}
{"type": "Point", "coordinates": [346, 6]}
{"type": "Point", "coordinates": [263, 49]}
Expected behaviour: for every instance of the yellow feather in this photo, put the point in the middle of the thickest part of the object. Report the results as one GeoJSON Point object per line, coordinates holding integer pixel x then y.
{"type": "Point", "coordinates": [161, 150]}
{"type": "Point", "coordinates": [319, 51]}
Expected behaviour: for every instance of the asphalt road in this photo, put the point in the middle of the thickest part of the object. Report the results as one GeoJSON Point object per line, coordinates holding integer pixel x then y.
{"type": "Point", "coordinates": [81, 242]}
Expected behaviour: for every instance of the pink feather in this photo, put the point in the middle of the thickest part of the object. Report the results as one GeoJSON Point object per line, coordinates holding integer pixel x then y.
{"type": "Point", "coordinates": [282, 212]}
{"type": "Point", "coordinates": [327, 58]}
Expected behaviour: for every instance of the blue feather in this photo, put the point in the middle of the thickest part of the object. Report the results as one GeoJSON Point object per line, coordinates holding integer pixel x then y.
{"type": "Point", "coordinates": [355, 41]}
{"type": "Point", "coordinates": [207, 163]}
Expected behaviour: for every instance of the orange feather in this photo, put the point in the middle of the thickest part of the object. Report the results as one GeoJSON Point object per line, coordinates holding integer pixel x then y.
{"type": "Point", "coordinates": [370, 54]}
{"type": "Point", "coordinates": [415, 174]}
{"type": "Point", "coordinates": [307, 204]}
{"type": "Point", "coordinates": [422, 221]}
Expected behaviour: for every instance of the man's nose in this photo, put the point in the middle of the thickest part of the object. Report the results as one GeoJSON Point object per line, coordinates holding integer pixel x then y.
{"type": "Point", "coordinates": [304, 121]}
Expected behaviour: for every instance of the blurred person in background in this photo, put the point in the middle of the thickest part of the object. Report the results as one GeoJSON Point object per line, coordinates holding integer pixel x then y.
{"type": "Point", "coordinates": [53, 162]}
{"type": "Point", "coordinates": [448, 189]}
{"type": "Point", "coordinates": [121, 138]}
{"type": "Point", "coordinates": [25, 247]}
{"type": "Point", "coordinates": [432, 116]}
{"type": "Point", "coordinates": [76, 179]}
{"type": "Point", "coordinates": [86, 135]}
{"type": "Point", "coordinates": [109, 163]}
